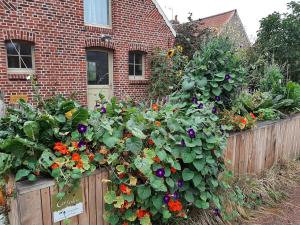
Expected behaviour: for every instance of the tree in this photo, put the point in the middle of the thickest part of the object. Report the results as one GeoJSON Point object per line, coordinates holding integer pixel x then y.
{"type": "Point", "coordinates": [278, 39]}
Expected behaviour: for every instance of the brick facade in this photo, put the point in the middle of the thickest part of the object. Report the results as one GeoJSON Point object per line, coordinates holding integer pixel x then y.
{"type": "Point", "coordinates": [60, 38]}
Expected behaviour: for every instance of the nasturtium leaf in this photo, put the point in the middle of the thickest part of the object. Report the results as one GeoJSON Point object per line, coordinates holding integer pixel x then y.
{"type": "Point", "coordinates": [31, 129]}
{"type": "Point", "coordinates": [144, 192]}
{"type": "Point", "coordinates": [201, 204]}
{"type": "Point", "coordinates": [188, 84]}
{"type": "Point", "coordinates": [119, 202]}
{"type": "Point", "coordinates": [189, 196]}
{"type": "Point", "coordinates": [199, 164]}
{"type": "Point", "coordinates": [130, 215]}
{"type": "Point", "coordinates": [22, 173]}
{"type": "Point", "coordinates": [188, 156]}
{"type": "Point", "coordinates": [157, 201]}
{"type": "Point", "coordinates": [217, 91]}
{"type": "Point", "coordinates": [134, 145]}
{"type": "Point", "coordinates": [166, 214]}
{"type": "Point", "coordinates": [110, 140]}
{"type": "Point", "coordinates": [187, 174]}
{"type": "Point", "coordinates": [110, 197]}
{"type": "Point", "coordinates": [145, 220]}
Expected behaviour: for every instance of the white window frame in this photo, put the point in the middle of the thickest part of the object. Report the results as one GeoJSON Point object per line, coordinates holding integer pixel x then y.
{"type": "Point", "coordinates": [109, 26]}
{"type": "Point", "coordinates": [134, 77]}
{"type": "Point", "coordinates": [21, 70]}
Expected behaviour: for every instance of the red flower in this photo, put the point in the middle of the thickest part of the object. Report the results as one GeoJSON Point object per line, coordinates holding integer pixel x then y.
{"type": "Point", "coordinates": [244, 121]}
{"type": "Point", "coordinates": [156, 159]}
{"type": "Point", "coordinates": [150, 141]}
{"type": "Point", "coordinates": [76, 157]}
{"type": "Point", "coordinates": [173, 170]}
{"type": "Point", "coordinates": [125, 224]}
{"type": "Point", "coordinates": [122, 175]}
{"type": "Point", "coordinates": [91, 156]}
{"type": "Point", "coordinates": [124, 189]}
{"type": "Point", "coordinates": [252, 115]}
{"type": "Point", "coordinates": [54, 166]}
{"type": "Point", "coordinates": [175, 206]}
{"type": "Point", "coordinates": [60, 147]}
{"type": "Point", "coordinates": [155, 107]}
{"type": "Point", "coordinates": [141, 213]}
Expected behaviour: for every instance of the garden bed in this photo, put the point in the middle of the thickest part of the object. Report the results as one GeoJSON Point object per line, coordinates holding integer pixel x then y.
{"type": "Point", "coordinates": [34, 200]}
{"type": "Point", "coordinates": [255, 150]}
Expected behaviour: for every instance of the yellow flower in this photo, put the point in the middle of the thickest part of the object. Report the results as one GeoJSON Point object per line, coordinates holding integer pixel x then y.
{"type": "Point", "coordinates": [69, 114]}
{"type": "Point", "coordinates": [179, 48]}
{"type": "Point", "coordinates": [171, 53]}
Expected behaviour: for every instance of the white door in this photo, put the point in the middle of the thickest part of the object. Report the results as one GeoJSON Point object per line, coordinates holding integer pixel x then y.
{"type": "Point", "coordinates": [100, 73]}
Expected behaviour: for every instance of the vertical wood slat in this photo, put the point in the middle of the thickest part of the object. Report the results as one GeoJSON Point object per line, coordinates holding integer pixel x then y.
{"type": "Point", "coordinates": [258, 149]}
{"type": "Point", "coordinates": [33, 206]}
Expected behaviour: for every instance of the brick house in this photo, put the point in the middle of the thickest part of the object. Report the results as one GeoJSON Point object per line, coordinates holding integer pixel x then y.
{"type": "Point", "coordinates": [81, 46]}
{"type": "Point", "coordinates": [227, 24]}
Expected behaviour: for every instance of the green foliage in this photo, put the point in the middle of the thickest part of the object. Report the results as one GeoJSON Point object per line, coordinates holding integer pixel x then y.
{"type": "Point", "coordinates": [216, 72]}
{"type": "Point", "coordinates": [167, 71]}
{"type": "Point", "coordinates": [272, 80]}
{"type": "Point", "coordinates": [278, 39]}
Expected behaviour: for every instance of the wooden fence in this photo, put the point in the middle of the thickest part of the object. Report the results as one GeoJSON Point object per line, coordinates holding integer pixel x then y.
{"type": "Point", "coordinates": [32, 205]}
{"type": "Point", "coordinates": [255, 150]}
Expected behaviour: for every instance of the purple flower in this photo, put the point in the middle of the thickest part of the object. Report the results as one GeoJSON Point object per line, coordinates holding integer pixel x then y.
{"type": "Point", "coordinates": [160, 172]}
{"type": "Point", "coordinates": [180, 183]}
{"type": "Point", "coordinates": [201, 106]}
{"type": "Point", "coordinates": [176, 195]}
{"type": "Point", "coordinates": [227, 77]}
{"type": "Point", "coordinates": [191, 133]}
{"type": "Point", "coordinates": [103, 110]}
{"type": "Point", "coordinates": [81, 128]}
{"type": "Point", "coordinates": [217, 212]}
{"type": "Point", "coordinates": [166, 199]}
{"type": "Point", "coordinates": [214, 110]}
{"type": "Point", "coordinates": [81, 144]}
{"type": "Point", "coordinates": [97, 105]}
{"type": "Point", "coordinates": [218, 98]}
{"type": "Point", "coordinates": [194, 100]}
{"type": "Point", "coordinates": [182, 143]}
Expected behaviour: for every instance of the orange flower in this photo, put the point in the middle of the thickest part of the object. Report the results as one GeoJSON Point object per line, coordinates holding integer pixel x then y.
{"type": "Point", "coordinates": [244, 121]}
{"type": "Point", "coordinates": [141, 213]}
{"type": "Point", "coordinates": [54, 166]}
{"type": "Point", "coordinates": [150, 141]}
{"type": "Point", "coordinates": [156, 159]}
{"type": "Point", "coordinates": [124, 189]}
{"type": "Point", "coordinates": [175, 206]}
{"type": "Point", "coordinates": [252, 115]}
{"type": "Point", "coordinates": [91, 156]}
{"type": "Point", "coordinates": [125, 224]}
{"type": "Point", "coordinates": [79, 164]}
{"type": "Point", "coordinates": [155, 107]}
{"type": "Point", "coordinates": [60, 147]}
{"type": "Point", "coordinates": [75, 144]}
{"type": "Point", "coordinates": [76, 157]}
{"type": "Point", "coordinates": [157, 123]}
{"type": "Point", "coordinates": [173, 170]}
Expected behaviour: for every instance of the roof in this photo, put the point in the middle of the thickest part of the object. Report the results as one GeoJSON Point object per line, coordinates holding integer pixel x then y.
{"type": "Point", "coordinates": [215, 21]}
{"type": "Point", "coordinates": [165, 17]}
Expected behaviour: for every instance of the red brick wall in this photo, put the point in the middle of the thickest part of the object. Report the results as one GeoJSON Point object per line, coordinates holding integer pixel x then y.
{"type": "Point", "coordinates": [60, 38]}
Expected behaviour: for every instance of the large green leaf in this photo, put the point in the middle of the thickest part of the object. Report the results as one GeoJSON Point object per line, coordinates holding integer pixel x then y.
{"type": "Point", "coordinates": [110, 140]}
{"type": "Point", "coordinates": [80, 116]}
{"type": "Point", "coordinates": [22, 173]}
{"type": "Point", "coordinates": [187, 174]}
{"type": "Point", "coordinates": [31, 129]}
{"type": "Point", "coordinates": [144, 192]}
{"type": "Point", "coordinates": [134, 145]}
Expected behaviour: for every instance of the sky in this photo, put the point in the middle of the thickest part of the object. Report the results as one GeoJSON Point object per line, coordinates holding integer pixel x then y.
{"type": "Point", "coordinates": [250, 11]}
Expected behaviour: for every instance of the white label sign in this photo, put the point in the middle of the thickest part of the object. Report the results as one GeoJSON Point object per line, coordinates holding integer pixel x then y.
{"type": "Point", "coordinates": [68, 212]}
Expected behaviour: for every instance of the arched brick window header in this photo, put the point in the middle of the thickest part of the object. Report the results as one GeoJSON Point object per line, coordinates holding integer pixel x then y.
{"type": "Point", "coordinates": [95, 42]}
{"type": "Point", "coordinates": [138, 47]}
{"type": "Point", "coordinates": [19, 35]}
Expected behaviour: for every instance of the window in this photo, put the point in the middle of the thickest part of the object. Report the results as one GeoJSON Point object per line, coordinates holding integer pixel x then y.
{"type": "Point", "coordinates": [19, 56]}
{"type": "Point", "coordinates": [97, 12]}
{"type": "Point", "coordinates": [98, 67]}
{"type": "Point", "coordinates": [136, 65]}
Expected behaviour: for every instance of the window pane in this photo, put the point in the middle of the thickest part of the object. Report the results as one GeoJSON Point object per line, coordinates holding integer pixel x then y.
{"type": "Point", "coordinates": [27, 61]}
{"type": "Point", "coordinates": [25, 49]}
{"type": "Point", "coordinates": [138, 70]}
{"type": "Point", "coordinates": [131, 70]}
{"type": "Point", "coordinates": [98, 72]}
{"type": "Point", "coordinates": [11, 48]}
{"type": "Point", "coordinates": [131, 58]}
{"type": "Point", "coordinates": [138, 58]}
{"type": "Point", "coordinates": [96, 12]}
{"type": "Point", "coordinates": [13, 62]}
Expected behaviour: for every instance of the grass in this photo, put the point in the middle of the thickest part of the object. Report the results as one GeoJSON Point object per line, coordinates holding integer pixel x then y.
{"type": "Point", "coordinates": [251, 196]}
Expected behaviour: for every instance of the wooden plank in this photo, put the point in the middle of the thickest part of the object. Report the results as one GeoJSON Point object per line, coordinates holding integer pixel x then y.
{"type": "Point", "coordinates": [14, 213]}
{"type": "Point", "coordinates": [29, 186]}
{"type": "Point", "coordinates": [229, 152]}
{"type": "Point", "coordinates": [53, 191]}
{"type": "Point", "coordinates": [46, 206]}
{"type": "Point", "coordinates": [99, 199]}
{"type": "Point", "coordinates": [31, 208]}
{"type": "Point", "coordinates": [251, 153]}
{"type": "Point", "coordinates": [84, 217]}
{"type": "Point", "coordinates": [104, 190]}
{"type": "Point", "coordinates": [92, 200]}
